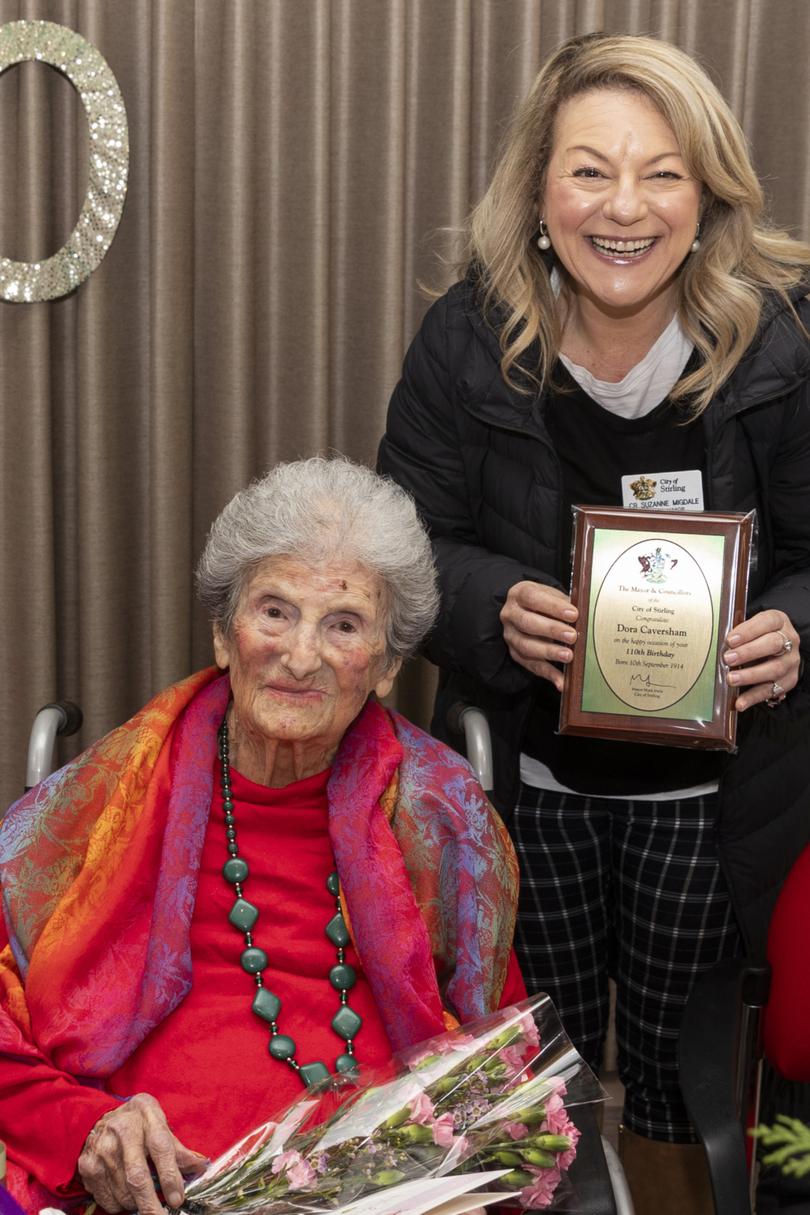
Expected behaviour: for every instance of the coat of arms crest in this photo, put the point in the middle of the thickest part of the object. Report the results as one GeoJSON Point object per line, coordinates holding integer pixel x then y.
{"type": "Point", "coordinates": [643, 489]}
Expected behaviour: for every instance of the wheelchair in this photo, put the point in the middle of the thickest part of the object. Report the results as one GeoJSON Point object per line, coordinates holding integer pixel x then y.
{"type": "Point", "coordinates": [597, 1176]}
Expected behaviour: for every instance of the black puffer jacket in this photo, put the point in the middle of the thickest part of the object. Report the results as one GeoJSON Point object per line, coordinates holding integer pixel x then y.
{"type": "Point", "coordinates": [478, 458]}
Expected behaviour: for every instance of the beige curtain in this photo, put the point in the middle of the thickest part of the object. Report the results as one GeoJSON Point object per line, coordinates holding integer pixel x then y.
{"type": "Point", "coordinates": [290, 161]}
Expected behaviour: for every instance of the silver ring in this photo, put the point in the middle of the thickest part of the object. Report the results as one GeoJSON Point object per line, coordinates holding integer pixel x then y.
{"type": "Point", "coordinates": [787, 644]}
{"type": "Point", "coordinates": [777, 695]}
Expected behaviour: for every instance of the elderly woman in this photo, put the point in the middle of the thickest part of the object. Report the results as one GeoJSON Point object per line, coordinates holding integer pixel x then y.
{"type": "Point", "coordinates": [264, 876]}
{"type": "Point", "coordinates": [625, 311]}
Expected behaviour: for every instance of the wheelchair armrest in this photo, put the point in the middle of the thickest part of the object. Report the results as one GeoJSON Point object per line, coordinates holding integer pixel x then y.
{"type": "Point", "coordinates": [61, 717]}
{"type": "Point", "coordinates": [466, 719]}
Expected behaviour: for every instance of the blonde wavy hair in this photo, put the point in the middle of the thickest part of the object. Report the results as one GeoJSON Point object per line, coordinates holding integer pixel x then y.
{"type": "Point", "coordinates": [721, 285]}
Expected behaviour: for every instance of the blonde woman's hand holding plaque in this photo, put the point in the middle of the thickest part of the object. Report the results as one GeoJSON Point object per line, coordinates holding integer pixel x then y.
{"type": "Point", "coordinates": [538, 629]}
{"type": "Point", "coordinates": [764, 659]}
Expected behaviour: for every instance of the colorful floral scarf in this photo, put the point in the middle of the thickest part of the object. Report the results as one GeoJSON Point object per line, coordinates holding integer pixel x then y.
{"type": "Point", "coordinates": [99, 868]}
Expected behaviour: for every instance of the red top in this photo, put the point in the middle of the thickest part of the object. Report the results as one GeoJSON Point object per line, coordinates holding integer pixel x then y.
{"type": "Point", "coordinates": [207, 1063]}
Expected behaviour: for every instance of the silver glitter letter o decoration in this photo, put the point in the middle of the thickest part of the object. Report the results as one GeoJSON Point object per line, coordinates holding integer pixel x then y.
{"type": "Point", "coordinates": [88, 71]}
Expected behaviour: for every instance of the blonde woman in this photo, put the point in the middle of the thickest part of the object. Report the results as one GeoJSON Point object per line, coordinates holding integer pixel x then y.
{"type": "Point", "coordinates": [625, 310]}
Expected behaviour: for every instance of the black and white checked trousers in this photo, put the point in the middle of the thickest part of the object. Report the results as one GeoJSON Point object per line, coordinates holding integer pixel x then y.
{"type": "Point", "coordinates": [630, 889]}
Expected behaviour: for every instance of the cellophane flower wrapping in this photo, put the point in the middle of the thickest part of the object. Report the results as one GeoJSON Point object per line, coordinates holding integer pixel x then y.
{"type": "Point", "coordinates": [492, 1094]}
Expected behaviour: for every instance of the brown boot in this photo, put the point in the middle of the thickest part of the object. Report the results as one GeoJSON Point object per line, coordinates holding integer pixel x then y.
{"type": "Point", "coordinates": [665, 1178]}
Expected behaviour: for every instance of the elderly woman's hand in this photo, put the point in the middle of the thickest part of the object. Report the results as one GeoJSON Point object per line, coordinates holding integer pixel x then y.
{"type": "Point", "coordinates": [764, 658]}
{"type": "Point", "coordinates": [537, 622]}
{"type": "Point", "coordinates": [114, 1164]}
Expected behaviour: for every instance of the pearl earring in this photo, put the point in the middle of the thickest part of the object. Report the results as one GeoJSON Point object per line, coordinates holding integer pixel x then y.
{"type": "Point", "coordinates": [696, 241]}
{"type": "Point", "coordinates": [543, 241]}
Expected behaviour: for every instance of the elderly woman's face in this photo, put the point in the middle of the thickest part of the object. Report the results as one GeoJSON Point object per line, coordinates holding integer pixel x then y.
{"type": "Point", "coordinates": [306, 648]}
{"type": "Point", "coordinates": [619, 204]}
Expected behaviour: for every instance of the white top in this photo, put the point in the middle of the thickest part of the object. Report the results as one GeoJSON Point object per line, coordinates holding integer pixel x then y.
{"type": "Point", "coordinates": [645, 385]}
{"type": "Point", "coordinates": [537, 775]}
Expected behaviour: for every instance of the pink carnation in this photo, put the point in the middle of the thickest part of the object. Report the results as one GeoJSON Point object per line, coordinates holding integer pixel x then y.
{"type": "Point", "coordinates": [512, 1056]}
{"type": "Point", "coordinates": [421, 1108]}
{"type": "Point", "coordinates": [516, 1130]}
{"type": "Point", "coordinates": [298, 1172]}
{"type": "Point", "coordinates": [540, 1193]}
{"type": "Point", "coordinates": [560, 1124]}
{"type": "Point", "coordinates": [463, 1147]}
{"type": "Point", "coordinates": [442, 1129]}
{"type": "Point", "coordinates": [458, 1041]}
{"type": "Point", "coordinates": [441, 1046]}
{"type": "Point", "coordinates": [529, 1029]}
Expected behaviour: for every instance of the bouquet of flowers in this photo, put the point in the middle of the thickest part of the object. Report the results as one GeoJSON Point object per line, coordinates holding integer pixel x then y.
{"type": "Point", "coordinates": [490, 1098]}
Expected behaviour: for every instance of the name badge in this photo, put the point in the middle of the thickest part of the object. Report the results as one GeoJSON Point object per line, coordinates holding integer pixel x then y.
{"type": "Point", "coordinates": [663, 491]}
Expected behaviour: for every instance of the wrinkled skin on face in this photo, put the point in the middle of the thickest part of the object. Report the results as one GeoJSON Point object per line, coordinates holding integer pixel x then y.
{"type": "Point", "coordinates": [304, 652]}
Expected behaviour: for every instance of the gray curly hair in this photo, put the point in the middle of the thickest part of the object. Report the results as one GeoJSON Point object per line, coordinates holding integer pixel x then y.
{"type": "Point", "coordinates": [320, 510]}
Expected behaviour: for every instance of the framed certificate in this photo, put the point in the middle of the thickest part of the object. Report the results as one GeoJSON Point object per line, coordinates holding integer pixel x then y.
{"type": "Point", "coordinates": [657, 593]}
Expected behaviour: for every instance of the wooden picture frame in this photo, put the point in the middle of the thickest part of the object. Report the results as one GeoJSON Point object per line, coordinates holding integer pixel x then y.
{"type": "Point", "coordinates": [657, 592]}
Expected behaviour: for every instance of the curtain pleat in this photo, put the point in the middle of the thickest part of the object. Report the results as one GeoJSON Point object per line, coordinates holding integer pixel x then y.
{"type": "Point", "coordinates": [295, 165]}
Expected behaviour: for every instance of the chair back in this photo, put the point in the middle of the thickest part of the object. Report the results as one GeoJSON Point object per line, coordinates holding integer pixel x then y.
{"type": "Point", "coordinates": [720, 1055]}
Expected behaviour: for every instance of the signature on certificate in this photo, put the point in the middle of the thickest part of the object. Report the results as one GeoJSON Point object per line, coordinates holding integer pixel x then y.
{"type": "Point", "coordinates": [647, 681]}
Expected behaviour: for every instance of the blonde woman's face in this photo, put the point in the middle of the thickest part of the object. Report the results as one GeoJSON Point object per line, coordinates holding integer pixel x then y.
{"type": "Point", "coordinates": [620, 207]}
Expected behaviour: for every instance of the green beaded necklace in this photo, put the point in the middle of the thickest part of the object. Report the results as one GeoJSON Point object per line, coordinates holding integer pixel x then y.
{"type": "Point", "coordinates": [243, 915]}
